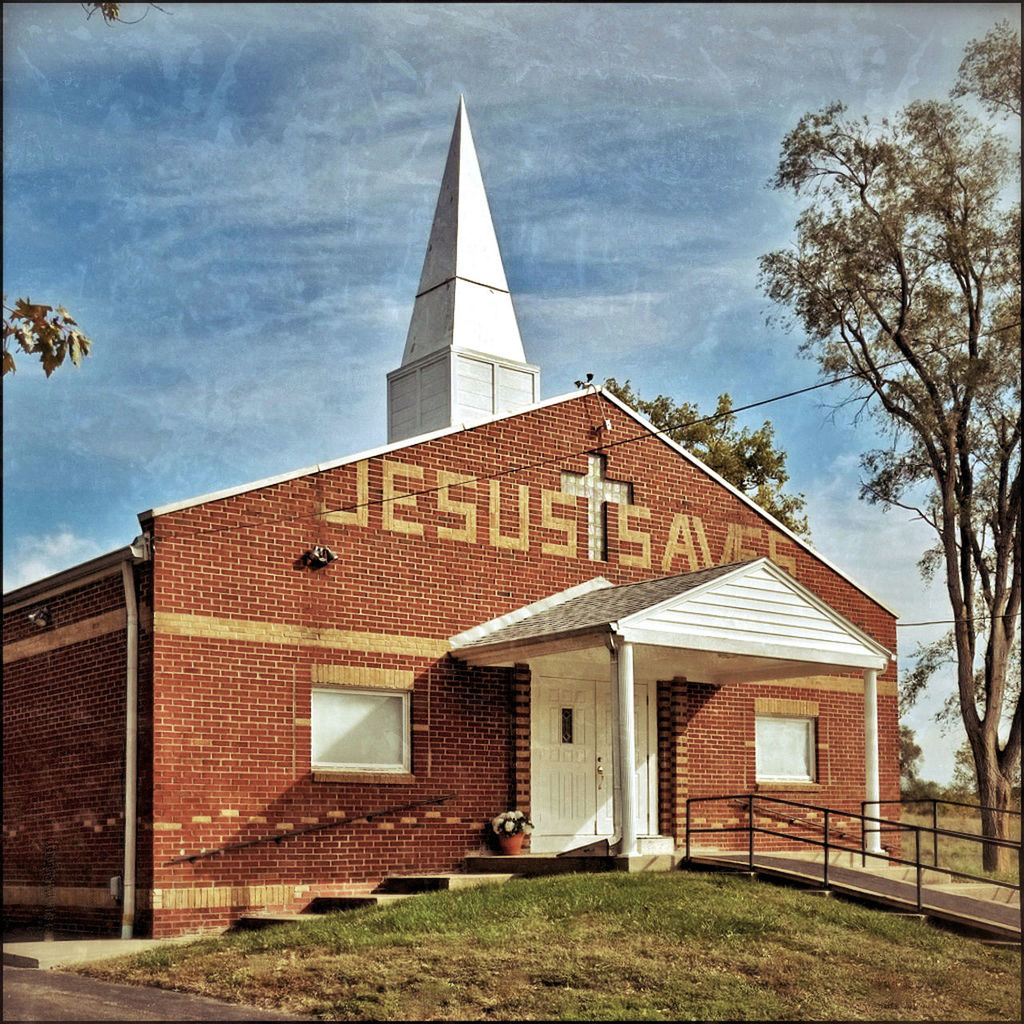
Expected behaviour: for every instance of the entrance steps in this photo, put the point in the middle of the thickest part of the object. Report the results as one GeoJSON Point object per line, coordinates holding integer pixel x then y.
{"type": "Point", "coordinates": [480, 869]}
{"type": "Point", "coordinates": [392, 889]}
{"type": "Point", "coordinates": [531, 865]}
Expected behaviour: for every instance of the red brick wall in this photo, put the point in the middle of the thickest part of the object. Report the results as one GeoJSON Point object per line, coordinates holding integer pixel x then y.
{"type": "Point", "coordinates": [719, 734]}
{"type": "Point", "coordinates": [64, 713]}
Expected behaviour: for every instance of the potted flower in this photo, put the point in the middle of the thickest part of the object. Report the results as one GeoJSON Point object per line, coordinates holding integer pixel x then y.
{"type": "Point", "coordinates": [509, 827]}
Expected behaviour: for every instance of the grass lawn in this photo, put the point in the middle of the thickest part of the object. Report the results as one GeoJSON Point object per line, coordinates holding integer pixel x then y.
{"type": "Point", "coordinates": [675, 946]}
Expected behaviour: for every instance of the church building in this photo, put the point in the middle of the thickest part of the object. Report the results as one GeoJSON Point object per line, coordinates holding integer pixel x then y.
{"type": "Point", "coordinates": [297, 687]}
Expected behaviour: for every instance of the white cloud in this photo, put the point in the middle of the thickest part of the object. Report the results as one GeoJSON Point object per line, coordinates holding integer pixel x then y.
{"type": "Point", "coordinates": [39, 555]}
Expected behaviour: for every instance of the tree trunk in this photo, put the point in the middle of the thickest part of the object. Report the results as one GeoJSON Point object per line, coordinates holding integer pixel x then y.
{"type": "Point", "coordinates": [994, 793]}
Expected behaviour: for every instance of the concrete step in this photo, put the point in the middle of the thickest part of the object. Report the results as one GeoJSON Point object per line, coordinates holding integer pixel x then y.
{"type": "Point", "coordinates": [267, 919]}
{"type": "Point", "coordinates": [331, 904]}
{"type": "Point", "coordinates": [318, 908]}
{"type": "Point", "coordinates": [532, 864]}
{"type": "Point", "coordinates": [410, 884]}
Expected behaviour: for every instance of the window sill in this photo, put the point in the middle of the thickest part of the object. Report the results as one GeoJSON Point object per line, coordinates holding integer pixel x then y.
{"type": "Point", "coordinates": [377, 778]}
{"type": "Point", "coordinates": [779, 787]}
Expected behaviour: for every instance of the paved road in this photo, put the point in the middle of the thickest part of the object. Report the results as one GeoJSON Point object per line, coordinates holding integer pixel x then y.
{"type": "Point", "coordinates": [34, 995]}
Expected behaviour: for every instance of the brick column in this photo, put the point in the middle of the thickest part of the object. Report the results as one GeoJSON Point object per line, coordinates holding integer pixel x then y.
{"type": "Point", "coordinates": [519, 783]}
{"type": "Point", "coordinates": [672, 758]}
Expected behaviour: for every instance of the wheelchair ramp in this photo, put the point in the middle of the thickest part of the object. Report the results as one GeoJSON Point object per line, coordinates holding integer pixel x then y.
{"type": "Point", "coordinates": [987, 909]}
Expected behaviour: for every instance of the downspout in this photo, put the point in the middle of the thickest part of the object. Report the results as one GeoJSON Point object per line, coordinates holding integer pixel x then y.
{"type": "Point", "coordinates": [625, 774]}
{"type": "Point", "coordinates": [137, 551]}
{"type": "Point", "coordinates": [613, 686]}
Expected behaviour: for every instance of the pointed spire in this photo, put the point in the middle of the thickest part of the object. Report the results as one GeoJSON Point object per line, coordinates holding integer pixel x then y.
{"type": "Point", "coordinates": [464, 356]}
{"type": "Point", "coordinates": [463, 261]}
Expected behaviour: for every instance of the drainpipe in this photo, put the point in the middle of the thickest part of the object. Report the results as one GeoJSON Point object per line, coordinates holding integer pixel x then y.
{"type": "Point", "coordinates": [622, 670]}
{"type": "Point", "coordinates": [138, 551]}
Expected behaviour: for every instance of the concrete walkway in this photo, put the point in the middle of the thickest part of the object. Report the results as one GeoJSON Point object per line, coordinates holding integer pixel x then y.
{"type": "Point", "coordinates": [35, 989]}
{"type": "Point", "coordinates": [28, 948]}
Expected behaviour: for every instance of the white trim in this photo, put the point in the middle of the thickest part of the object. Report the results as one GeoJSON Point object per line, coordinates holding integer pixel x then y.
{"type": "Point", "coordinates": [634, 624]}
{"type": "Point", "coordinates": [348, 460]}
{"type": "Point", "coordinates": [63, 580]}
{"type": "Point", "coordinates": [773, 651]}
{"type": "Point", "coordinates": [810, 723]}
{"type": "Point", "coordinates": [382, 768]}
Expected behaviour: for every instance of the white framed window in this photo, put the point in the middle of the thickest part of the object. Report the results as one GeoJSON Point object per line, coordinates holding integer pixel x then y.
{"type": "Point", "coordinates": [785, 748]}
{"type": "Point", "coordinates": [361, 730]}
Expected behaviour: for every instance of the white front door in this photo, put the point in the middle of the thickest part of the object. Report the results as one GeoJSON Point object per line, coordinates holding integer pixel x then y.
{"type": "Point", "coordinates": [571, 765]}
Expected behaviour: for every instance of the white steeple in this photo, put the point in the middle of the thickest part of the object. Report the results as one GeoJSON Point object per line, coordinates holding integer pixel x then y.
{"type": "Point", "coordinates": [464, 358]}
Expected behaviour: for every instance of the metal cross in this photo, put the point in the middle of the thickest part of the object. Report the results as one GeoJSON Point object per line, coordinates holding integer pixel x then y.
{"type": "Point", "coordinates": [598, 491]}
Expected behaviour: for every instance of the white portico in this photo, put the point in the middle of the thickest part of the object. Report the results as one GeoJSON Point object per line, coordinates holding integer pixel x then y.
{"type": "Point", "coordinates": [596, 653]}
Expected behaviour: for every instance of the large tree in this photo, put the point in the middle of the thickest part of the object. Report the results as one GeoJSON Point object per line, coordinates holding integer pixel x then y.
{"type": "Point", "coordinates": [906, 272]}
{"type": "Point", "coordinates": [747, 458]}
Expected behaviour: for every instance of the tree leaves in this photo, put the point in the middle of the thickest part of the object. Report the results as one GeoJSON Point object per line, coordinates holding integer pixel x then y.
{"type": "Point", "coordinates": [748, 459]}
{"type": "Point", "coordinates": [51, 334]}
{"type": "Point", "coordinates": [991, 71]}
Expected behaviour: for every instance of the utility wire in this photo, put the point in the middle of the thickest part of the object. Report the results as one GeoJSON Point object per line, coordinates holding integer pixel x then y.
{"type": "Point", "coordinates": [952, 622]}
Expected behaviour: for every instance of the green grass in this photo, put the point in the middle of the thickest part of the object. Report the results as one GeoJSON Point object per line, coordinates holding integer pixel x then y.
{"type": "Point", "coordinates": [676, 946]}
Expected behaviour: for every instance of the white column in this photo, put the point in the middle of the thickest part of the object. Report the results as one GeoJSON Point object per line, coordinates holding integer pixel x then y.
{"type": "Point", "coordinates": [626, 768]}
{"type": "Point", "coordinates": [871, 787]}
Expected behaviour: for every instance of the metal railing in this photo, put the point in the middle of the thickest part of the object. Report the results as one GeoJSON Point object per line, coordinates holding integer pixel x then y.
{"type": "Point", "coordinates": [935, 830]}
{"type": "Point", "coordinates": [771, 807]}
{"type": "Point", "coordinates": [280, 837]}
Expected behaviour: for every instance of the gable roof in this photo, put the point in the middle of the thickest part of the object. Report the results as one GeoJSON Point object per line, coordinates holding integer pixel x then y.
{"type": "Point", "coordinates": [751, 608]}
{"type": "Point", "coordinates": [600, 604]}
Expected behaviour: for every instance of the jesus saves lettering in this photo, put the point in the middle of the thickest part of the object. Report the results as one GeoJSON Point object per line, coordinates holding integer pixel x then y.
{"type": "Point", "coordinates": [418, 501]}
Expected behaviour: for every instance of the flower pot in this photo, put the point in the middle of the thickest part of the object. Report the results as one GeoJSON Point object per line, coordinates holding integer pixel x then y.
{"type": "Point", "coordinates": [511, 845]}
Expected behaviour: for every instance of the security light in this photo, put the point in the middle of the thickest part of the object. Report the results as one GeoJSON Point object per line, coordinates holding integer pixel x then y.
{"type": "Point", "coordinates": [40, 617]}
{"type": "Point", "coordinates": [318, 556]}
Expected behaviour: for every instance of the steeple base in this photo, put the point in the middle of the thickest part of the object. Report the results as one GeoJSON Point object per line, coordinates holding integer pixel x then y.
{"type": "Point", "coordinates": [455, 386]}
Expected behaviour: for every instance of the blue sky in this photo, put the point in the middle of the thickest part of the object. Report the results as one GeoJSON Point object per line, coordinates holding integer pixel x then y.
{"type": "Point", "coordinates": [234, 202]}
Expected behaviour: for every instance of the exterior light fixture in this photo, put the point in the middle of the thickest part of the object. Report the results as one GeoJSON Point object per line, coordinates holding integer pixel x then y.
{"type": "Point", "coordinates": [318, 556]}
{"type": "Point", "coordinates": [40, 618]}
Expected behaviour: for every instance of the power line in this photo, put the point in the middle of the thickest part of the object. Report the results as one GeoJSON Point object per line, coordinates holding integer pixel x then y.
{"type": "Point", "coordinates": [953, 622]}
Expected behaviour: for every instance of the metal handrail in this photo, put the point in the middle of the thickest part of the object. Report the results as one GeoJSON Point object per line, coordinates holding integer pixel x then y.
{"type": "Point", "coordinates": [747, 800]}
{"type": "Point", "coordinates": [950, 803]}
{"type": "Point", "coordinates": [338, 823]}
{"type": "Point", "coordinates": [793, 820]}
{"type": "Point", "coordinates": [935, 830]}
